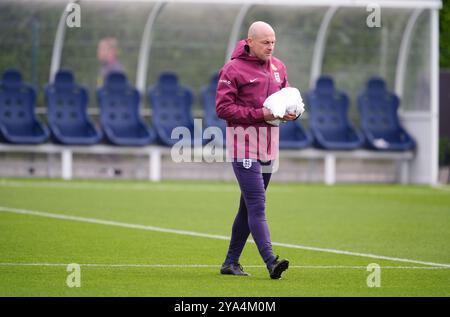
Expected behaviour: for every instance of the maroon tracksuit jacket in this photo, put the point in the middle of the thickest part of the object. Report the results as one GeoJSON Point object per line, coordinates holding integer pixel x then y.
{"type": "Point", "coordinates": [244, 83]}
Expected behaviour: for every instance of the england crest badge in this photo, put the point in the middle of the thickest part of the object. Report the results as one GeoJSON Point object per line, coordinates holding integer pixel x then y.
{"type": "Point", "coordinates": [277, 76]}
{"type": "Point", "coordinates": [247, 163]}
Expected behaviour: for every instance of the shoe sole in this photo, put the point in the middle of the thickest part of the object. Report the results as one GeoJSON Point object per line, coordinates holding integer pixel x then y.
{"type": "Point", "coordinates": [231, 273]}
{"type": "Point", "coordinates": [283, 266]}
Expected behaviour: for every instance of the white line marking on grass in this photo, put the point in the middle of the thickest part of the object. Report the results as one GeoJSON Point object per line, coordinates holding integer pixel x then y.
{"type": "Point", "coordinates": [332, 267]}
{"type": "Point", "coordinates": [365, 267]}
{"type": "Point", "coordinates": [115, 265]}
{"type": "Point", "coordinates": [206, 235]}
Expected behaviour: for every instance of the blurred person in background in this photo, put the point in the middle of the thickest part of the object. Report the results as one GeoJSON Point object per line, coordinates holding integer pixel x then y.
{"type": "Point", "coordinates": [107, 54]}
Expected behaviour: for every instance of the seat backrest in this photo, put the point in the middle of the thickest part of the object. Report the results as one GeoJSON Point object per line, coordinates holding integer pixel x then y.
{"type": "Point", "coordinates": [208, 94]}
{"type": "Point", "coordinates": [17, 100]}
{"type": "Point", "coordinates": [66, 101]}
{"type": "Point", "coordinates": [289, 130]}
{"type": "Point", "coordinates": [118, 101]}
{"type": "Point", "coordinates": [378, 107]}
{"type": "Point", "coordinates": [328, 107]}
{"type": "Point", "coordinates": [171, 103]}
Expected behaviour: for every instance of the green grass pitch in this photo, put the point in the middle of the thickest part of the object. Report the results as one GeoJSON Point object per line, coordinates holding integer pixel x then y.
{"type": "Point", "coordinates": [127, 254]}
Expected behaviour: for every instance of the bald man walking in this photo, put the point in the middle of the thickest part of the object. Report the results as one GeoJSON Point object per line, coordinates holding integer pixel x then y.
{"type": "Point", "coordinates": [244, 83]}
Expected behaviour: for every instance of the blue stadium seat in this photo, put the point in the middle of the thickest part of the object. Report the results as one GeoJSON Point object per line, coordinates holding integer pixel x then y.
{"type": "Point", "coordinates": [67, 114]}
{"type": "Point", "coordinates": [328, 117]}
{"type": "Point", "coordinates": [18, 121]}
{"type": "Point", "coordinates": [379, 120]}
{"type": "Point", "coordinates": [119, 112]}
{"type": "Point", "coordinates": [171, 108]}
{"type": "Point", "coordinates": [208, 97]}
{"type": "Point", "coordinates": [294, 136]}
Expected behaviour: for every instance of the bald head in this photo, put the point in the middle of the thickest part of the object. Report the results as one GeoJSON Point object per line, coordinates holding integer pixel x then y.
{"type": "Point", "coordinates": [259, 29]}
{"type": "Point", "coordinates": [261, 40]}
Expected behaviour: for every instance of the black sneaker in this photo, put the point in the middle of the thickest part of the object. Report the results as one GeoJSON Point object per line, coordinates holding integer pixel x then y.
{"type": "Point", "coordinates": [233, 269]}
{"type": "Point", "coordinates": [278, 267]}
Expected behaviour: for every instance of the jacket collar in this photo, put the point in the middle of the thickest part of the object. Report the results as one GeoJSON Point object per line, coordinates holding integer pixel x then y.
{"type": "Point", "coordinates": [241, 51]}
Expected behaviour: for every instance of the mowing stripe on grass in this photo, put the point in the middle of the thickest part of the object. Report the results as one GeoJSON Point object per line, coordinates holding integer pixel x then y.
{"type": "Point", "coordinates": [332, 267]}
{"type": "Point", "coordinates": [229, 188]}
{"type": "Point", "coordinates": [442, 187]}
{"type": "Point", "coordinates": [206, 235]}
{"type": "Point", "coordinates": [169, 187]}
{"type": "Point", "coordinates": [118, 186]}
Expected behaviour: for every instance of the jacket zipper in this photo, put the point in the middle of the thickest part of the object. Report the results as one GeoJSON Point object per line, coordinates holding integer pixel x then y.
{"type": "Point", "coordinates": [269, 136]}
{"type": "Point", "coordinates": [268, 80]}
